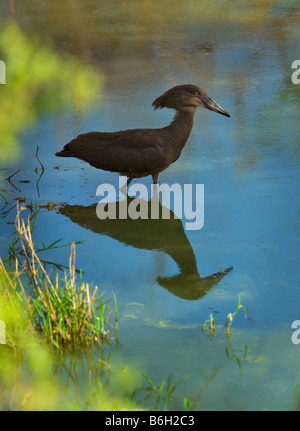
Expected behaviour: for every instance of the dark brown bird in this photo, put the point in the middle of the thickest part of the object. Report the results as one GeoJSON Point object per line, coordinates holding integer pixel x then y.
{"type": "Point", "coordinates": [140, 152]}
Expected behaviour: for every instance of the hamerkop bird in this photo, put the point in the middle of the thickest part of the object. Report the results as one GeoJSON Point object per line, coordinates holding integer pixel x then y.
{"type": "Point", "coordinates": [140, 152]}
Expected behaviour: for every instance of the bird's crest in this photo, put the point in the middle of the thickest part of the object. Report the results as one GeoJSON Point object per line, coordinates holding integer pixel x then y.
{"type": "Point", "coordinates": [158, 103]}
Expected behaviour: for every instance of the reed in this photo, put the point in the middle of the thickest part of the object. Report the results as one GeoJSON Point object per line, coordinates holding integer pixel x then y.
{"type": "Point", "coordinates": [230, 316]}
{"type": "Point", "coordinates": [65, 311]}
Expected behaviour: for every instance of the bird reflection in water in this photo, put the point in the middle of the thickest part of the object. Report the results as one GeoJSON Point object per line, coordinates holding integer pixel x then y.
{"type": "Point", "coordinates": [166, 235]}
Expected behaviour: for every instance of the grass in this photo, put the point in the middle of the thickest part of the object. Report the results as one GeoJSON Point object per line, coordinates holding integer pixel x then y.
{"type": "Point", "coordinates": [64, 311]}
{"type": "Point", "coordinates": [36, 376]}
{"type": "Point", "coordinates": [230, 317]}
{"type": "Point", "coordinates": [58, 325]}
{"type": "Point", "coordinates": [212, 326]}
{"type": "Point", "coordinates": [162, 394]}
{"type": "Point", "coordinates": [23, 244]}
{"type": "Point", "coordinates": [58, 353]}
{"type": "Point", "coordinates": [228, 321]}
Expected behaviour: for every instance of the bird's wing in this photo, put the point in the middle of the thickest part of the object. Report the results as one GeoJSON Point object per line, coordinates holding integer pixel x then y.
{"type": "Point", "coordinates": [133, 152]}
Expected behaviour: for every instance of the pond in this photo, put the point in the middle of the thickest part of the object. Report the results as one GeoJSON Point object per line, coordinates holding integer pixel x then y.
{"type": "Point", "coordinates": [169, 278]}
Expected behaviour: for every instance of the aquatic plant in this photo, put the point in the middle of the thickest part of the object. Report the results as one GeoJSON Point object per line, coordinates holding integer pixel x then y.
{"type": "Point", "coordinates": [64, 311]}
{"type": "Point", "coordinates": [212, 325]}
{"type": "Point", "coordinates": [230, 316]}
{"type": "Point", "coordinates": [161, 394]}
{"type": "Point", "coordinates": [228, 321]}
{"type": "Point", "coordinates": [34, 376]}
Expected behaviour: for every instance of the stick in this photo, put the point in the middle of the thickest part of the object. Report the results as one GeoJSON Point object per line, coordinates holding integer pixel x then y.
{"type": "Point", "coordinates": [10, 177]}
{"type": "Point", "coordinates": [36, 155]}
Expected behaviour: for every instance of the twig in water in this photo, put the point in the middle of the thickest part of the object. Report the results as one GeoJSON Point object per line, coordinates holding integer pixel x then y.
{"type": "Point", "coordinates": [36, 155]}
{"type": "Point", "coordinates": [10, 177]}
{"type": "Point", "coordinates": [42, 173]}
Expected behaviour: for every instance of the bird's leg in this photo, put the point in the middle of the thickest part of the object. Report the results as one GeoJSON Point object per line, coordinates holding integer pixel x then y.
{"type": "Point", "coordinates": [154, 178]}
{"type": "Point", "coordinates": [123, 189]}
{"type": "Point", "coordinates": [154, 188]}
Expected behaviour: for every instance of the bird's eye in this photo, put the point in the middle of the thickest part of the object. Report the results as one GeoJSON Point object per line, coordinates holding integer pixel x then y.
{"type": "Point", "coordinates": [197, 93]}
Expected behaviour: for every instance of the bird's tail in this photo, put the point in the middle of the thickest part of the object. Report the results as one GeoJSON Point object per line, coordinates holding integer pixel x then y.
{"type": "Point", "coordinates": [65, 152]}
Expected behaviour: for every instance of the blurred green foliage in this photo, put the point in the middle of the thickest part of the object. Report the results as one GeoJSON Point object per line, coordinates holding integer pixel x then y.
{"type": "Point", "coordinates": [35, 376]}
{"type": "Point", "coordinates": [25, 363]}
{"type": "Point", "coordinates": [38, 81]}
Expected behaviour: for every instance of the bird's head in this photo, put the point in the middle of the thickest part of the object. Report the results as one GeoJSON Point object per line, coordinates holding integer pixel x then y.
{"type": "Point", "coordinates": [187, 97]}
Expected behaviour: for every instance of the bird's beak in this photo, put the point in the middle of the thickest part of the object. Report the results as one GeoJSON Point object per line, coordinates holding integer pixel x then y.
{"type": "Point", "coordinates": [213, 106]}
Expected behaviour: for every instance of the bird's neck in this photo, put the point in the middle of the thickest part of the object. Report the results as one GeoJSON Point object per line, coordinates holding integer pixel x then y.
{"type": "Point", "coordinates": [179, 129]}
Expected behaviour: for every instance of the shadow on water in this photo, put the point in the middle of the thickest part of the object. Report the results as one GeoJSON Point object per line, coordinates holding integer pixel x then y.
{"type": "Point", "coordinates": [166, 235]}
